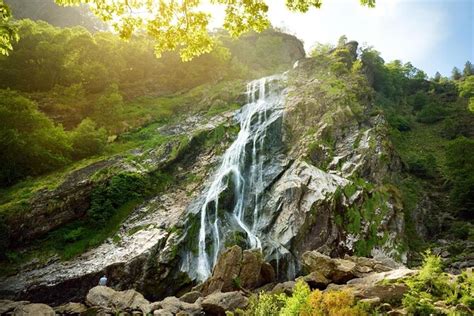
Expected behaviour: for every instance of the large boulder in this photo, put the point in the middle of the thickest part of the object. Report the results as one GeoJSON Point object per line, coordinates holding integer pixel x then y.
{"type": "Point", "coordinates": [174, 306]}
{"type": "Point", "coordinates": [129, 300]}
{"type": "Point", "coordinates": [71, 309]}
{"type": "Point", "coordinates": [225, 272]}
{"type": "Point", "coordinates": [33, 310]}
{"type": "Point", "coordinates": [238, 269]}
{"type": "Point", "coordinates": [337, 270]}
{"type": "Point", "coordinates": [219, 303]}
{"type": "Point", "coordinates": [340, 271]}
{"type": "Point", "coordinates": [8, 306]}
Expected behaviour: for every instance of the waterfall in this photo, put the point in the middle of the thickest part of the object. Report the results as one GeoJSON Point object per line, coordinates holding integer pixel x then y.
{"type": "Point", "coordinates": [242, 172]}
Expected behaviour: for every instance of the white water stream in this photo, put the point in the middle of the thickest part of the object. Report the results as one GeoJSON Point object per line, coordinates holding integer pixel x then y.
{"type": "Point", "coordinates": [265, 98]}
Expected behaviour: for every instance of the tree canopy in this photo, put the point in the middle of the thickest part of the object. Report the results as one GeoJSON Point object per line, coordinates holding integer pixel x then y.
{"type": "Point", "coordinates": [183, 24]}
{"type": "Point", "coordinates": [8, 34]}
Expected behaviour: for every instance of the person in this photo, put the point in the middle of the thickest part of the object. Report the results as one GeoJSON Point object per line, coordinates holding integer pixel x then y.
{"type": "Point", "coordinates": [103, 281]}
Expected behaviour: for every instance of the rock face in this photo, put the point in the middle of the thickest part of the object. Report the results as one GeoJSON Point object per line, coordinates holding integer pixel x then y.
{"type": "Point", "coordinates": [325, 190]}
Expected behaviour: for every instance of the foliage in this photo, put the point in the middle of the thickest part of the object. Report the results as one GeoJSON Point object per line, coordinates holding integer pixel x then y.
{"type": "Point", "coordinates": [87, 140]}
{"type": "Point", "coordinates": [459, 167]}
{"type": "Point", "coordinates": [431, 284]}
{"type": "Point", "coordinates": [30, 143]}
{"type": "Point", "coordinates": [107, 198]}
{"type": "Point", "coordinates": [304, 302]}
{"type": "Point", "coordinates": [8, 32]}
{"type": "Point", "coordinates": [183, 25]}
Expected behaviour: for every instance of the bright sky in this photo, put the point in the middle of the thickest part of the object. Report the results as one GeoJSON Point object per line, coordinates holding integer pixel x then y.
{"type": "Point", "coordinates": [435, 35]}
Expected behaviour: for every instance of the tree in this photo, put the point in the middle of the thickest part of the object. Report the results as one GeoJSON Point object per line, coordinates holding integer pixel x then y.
{"type": "Point", "coordinates": [468, 69]}
{"type": "Point", "coordinates": [30, 143]}
{"type": "Point", "coordinates": [456, 74]}
{"type": "Point", "coordinates": [87, 140]}
{"type": "Point", "coordinates": [8, 33]}
{"type": "Point", "coordinates": [437, 77]}
{"type": "Point", "coordinates": [182, 24]}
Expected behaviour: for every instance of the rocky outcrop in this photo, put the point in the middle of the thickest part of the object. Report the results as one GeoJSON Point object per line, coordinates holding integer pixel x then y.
{"type": "Point", "coordinates": [218, 303]}
{"type": "Point", "coordinates": [237, 269]}
{"type": "Point", "coordinates": [33, 310]}
{"type": "Point", "coordinates": [128, 300]}
{"type": "Point", "coordinates": [340, 270]}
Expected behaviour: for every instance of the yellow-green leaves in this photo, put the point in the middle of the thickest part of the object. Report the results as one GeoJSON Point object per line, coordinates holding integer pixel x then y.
{"type": "Point", "coordinates": [181, 24]}
{"type": "Point", "coordinates": [8, 33]}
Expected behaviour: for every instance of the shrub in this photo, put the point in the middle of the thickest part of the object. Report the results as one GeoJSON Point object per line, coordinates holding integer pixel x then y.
{"type": "Point", "coordinates": [265, 304]}
{"type": "Point", "coordinates": [298, 302]}
{"type": "Point", "coordinates": [30, 143]}
{"type": "Point", "coordinates": [431, 285]}
{"type": "Point", "coordinates": [431, 113]}
{"type": "Point", "coordinates": [399, 122]}
{"type": "Point", "coordinates": [87, 140]}
{"type": "Point", "coordinates": [107, 198]}
{"type": "Point", "coordinates": [423, 167]}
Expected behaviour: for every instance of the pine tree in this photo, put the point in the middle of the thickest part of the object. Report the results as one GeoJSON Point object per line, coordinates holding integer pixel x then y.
{"type": "Point", "coordinates": [468, 69]}
{"type": "Point", "coordinates": [456, 74]}
{"type": "Point", "coordinates": [437, 77]}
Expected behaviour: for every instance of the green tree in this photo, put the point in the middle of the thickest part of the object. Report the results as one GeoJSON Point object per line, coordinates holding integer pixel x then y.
{"type": "Point", "coordinates": [437, 77]}
{"type": "Point", "coordinates": [468, 69]}
{"type": "Point", "coordinates": [108, 109]}
{"type": "Point", "coordinates": [87, 140]}
{"type": "Point", "coordinates": [460, 163]}
{"type": "Point", "coordinates": [182, 24]}
{"type": "Point", "coordinates": [30, 143]}
{"type": "Point", "coordinates": [8, 32]}
{"type": "Point", "coordinates": [456, 74]}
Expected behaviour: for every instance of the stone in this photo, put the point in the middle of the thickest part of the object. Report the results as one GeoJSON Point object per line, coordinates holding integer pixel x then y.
{"type": "Point", "coordinates": [336, 270]}
{"type": "Point", "coordinates": [249, 275]}
{"type": "Point", "coordinates": [316, 261]}
{"type": "Point", "coordinates": [316, 280]}
{"type": "Point", "coordinates": [385, 307]}
{"type": "Point", "coordinates": [386, 293]}
{"type": "Point", "coordinates": [162, 312]}
{"type": "Point", "coordinates": [285, 287]}
{"type": "Point", "coordinates": [219, 303]}
{"type": "Point", "coordinates": [175, 305]}
{"type": "Point", "coordinates": [8, 306]}
{"type": "Point", "coordinates": [267, 273]}
{"type": "Point", "coordinates": [121, 300]}
{"type": "Point", "coordinates": [372, 302]}
{"type": "Point", "coordinates": [70, 309]}
{"type": "Point", "coordinates": [33, 310]}
{"type": "Point", "coordinates": [190, 297]}
{"type": "Point", "coordinates": [225, 272]}
{"type": "Point", "coordinates": [398, 312]}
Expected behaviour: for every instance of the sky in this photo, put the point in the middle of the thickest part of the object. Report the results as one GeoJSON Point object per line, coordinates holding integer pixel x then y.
{"type": "Point", "coordinates": [434, 35]}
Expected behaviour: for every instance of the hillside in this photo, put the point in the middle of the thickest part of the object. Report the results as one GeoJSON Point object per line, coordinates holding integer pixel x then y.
{"type": "Point", "coordinates": [155, 172]}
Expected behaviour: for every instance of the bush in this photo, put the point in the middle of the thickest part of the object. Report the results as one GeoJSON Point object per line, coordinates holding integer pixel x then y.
{"type": "Point", "coordinates": [87, 140]}
{"type": "Point", "coordinates": [305, 303]}
{"type": "Point", "coordinates": [265, 304]}
{"type": "Point", "coordinates": [423, 167]}
{"type": "Point", "coordinates": [460, 164]}
{"type": "Point", "coordinates": [30, 143]}
{"type": "Point", "coordinates": [419, 100]}
{"type": "Point", "coordinates": [107, 198]}
{"type": "Point", "coordinates": [399, 122]}
{"type": "Point", "coordinates": [431, 114]}
{"type": "Point", "coordinates": [431, 285]}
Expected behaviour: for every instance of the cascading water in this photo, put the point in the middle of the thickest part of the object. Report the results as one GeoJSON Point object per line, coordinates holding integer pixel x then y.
{"type": "Point", "coordinates": [242, 171]}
